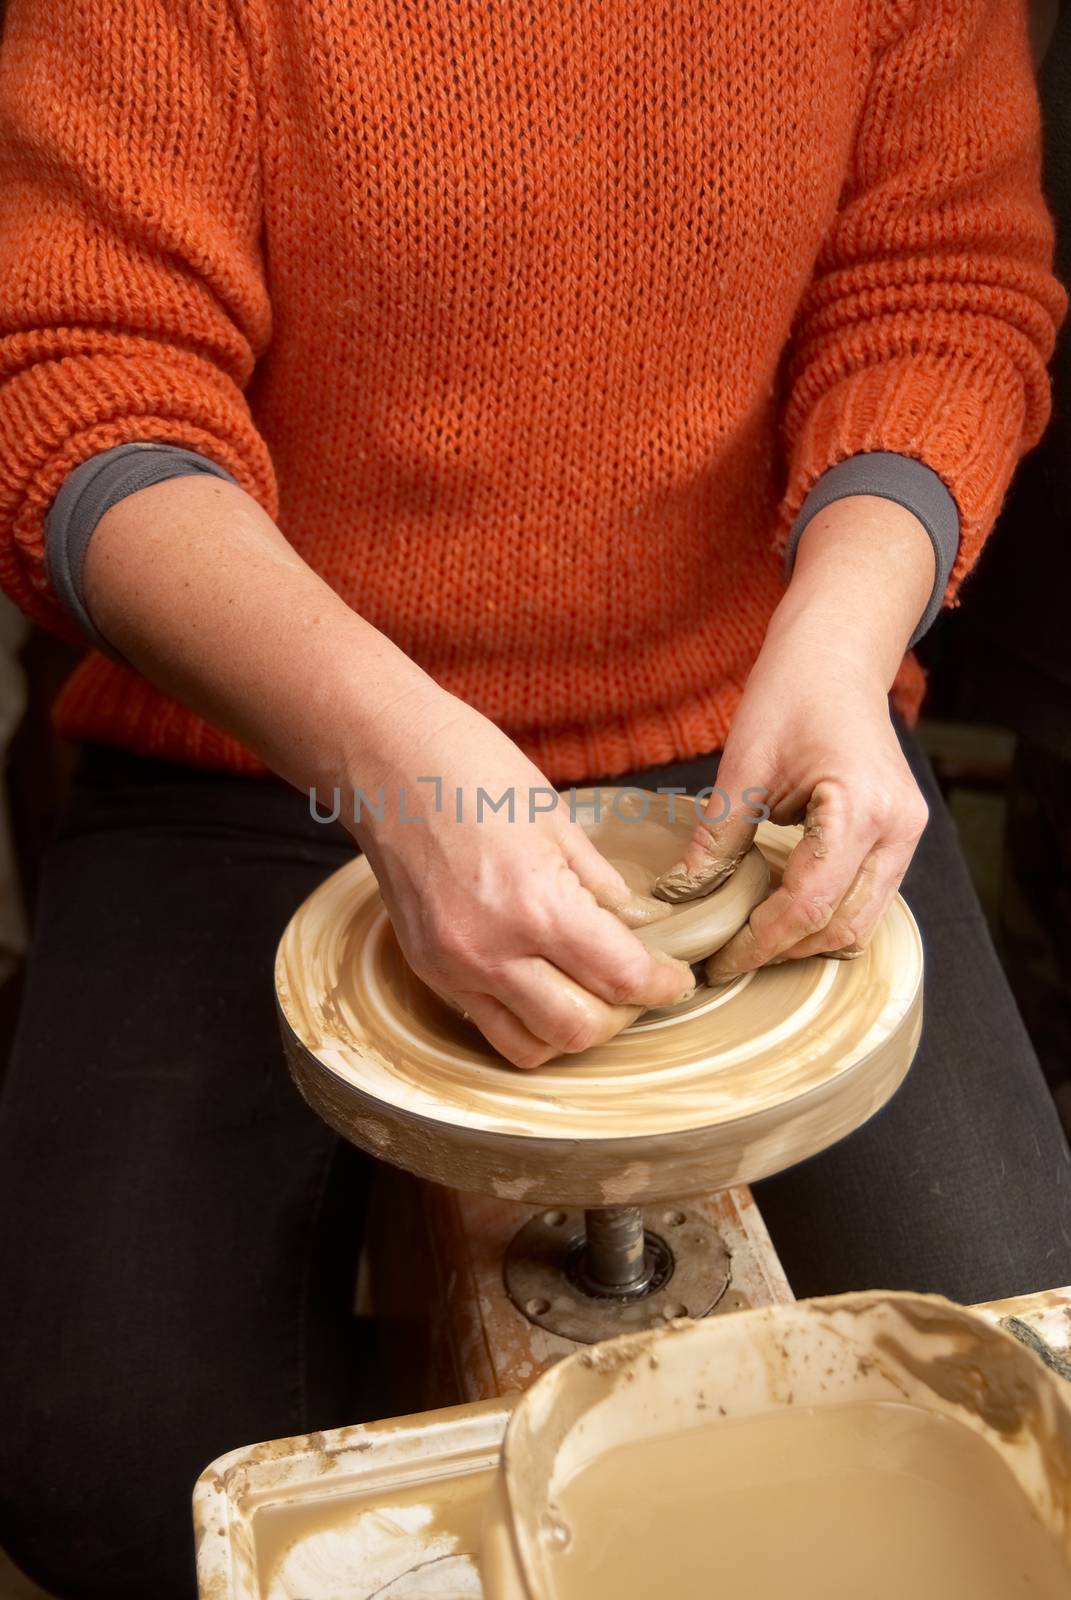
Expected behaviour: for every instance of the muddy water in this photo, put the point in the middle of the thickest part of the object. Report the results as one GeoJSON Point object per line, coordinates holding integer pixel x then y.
{"type": "Point", "coordinates": [857, 1502]}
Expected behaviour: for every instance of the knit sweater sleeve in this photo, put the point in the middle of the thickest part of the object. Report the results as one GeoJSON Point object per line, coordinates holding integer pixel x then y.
{"type": "Point", "coordinates": [932, 309]}
{"type": "Point", "coordinates": [133, 301]}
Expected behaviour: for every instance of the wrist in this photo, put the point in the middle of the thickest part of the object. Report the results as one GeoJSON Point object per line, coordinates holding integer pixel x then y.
{"type": "Point", "coordinates": [863, 576]}
{"type": "Point", "coordinates": [817, 647]}
{"type": "Point", "coordinates": [373, 718]}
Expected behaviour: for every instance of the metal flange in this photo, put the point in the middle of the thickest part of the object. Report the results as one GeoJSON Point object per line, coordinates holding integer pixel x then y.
{"type": "Point", "coordinates": [686, 1272]}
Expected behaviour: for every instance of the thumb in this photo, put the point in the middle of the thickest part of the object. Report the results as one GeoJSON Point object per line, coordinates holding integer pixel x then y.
{"type": "Point", "coordinates": [713, 854]}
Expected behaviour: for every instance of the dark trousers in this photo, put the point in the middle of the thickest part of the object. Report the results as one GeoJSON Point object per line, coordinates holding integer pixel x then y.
{"type": "Point", "coordinates": [179, 1231]}
{"type": "Point", "coordinates": [1035, 911]}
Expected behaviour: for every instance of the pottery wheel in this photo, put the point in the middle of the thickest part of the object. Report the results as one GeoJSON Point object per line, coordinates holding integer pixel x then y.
{"type": "Point", "coordinates": [729, 1087]}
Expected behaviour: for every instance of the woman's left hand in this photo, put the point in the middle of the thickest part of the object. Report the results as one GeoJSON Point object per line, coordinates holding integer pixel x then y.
{"type": "Point", "coordinates": [813, 731]}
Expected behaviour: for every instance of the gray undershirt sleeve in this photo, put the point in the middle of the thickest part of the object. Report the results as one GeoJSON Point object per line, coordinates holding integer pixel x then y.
{"type": "Point", "coordinates": [912, 485]}
{"type": "Point", "coordinates": [91, 490]}
{"type": "Point", "coordinates": [105, 479]}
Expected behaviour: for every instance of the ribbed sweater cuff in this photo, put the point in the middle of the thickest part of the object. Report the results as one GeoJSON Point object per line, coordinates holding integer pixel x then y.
{"type": "Point", "coordinates": [55, 414]}
{"type": "Point", "coordinates": [962, 419]}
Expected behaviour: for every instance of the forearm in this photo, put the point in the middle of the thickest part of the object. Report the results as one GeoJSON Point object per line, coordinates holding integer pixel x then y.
{"type": "Point", "coordinates": [863, 575]}
{"type": "Point", "coordinates": [194, 584]}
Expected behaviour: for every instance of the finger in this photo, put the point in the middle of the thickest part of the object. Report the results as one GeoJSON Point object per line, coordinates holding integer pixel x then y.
{"type": "Point", "coordinates": [853, 923]}
{"type": "Point", "coordinates": [589, 942]}
{"type": "Point", "coordinates": [712, 855]}
{"type": "Point", "coordinates": [556, 1009]}
{"type": "Point", "coordinates": [506, 1033]}
{"type": "Point", "coordinates": [600, 953]}
{"type": "Point", "coordinates": [607, 885]}
{"type": "Point", "coordinates": [817, 876]}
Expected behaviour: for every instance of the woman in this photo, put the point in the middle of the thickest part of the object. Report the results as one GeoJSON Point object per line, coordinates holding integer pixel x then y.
{"type": "Point", "coordinates": [399, 393]}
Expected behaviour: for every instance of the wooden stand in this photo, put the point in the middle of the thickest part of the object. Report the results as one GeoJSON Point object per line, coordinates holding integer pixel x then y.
{"type": "Point", "coordinates": [449, 1331]}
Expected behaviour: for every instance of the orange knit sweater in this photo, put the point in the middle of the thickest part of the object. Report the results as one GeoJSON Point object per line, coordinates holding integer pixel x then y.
{"type": "Point", "coordinates": [532, 323]}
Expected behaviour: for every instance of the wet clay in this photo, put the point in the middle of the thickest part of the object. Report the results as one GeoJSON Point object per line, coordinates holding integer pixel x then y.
{"type": "Point", "coordinates": [642, 835]}
{"type": "Point", "coordinates": [732, 1084]}
{"type": "Point", "coordinates": [874, 1501]}
{"type": "Point", "coordinates": [812, 830]}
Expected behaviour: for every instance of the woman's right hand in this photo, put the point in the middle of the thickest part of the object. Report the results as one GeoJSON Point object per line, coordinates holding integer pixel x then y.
{"type": "Point", "coordinates": [510, 921]}
{"type": "Point", "coordinates": [518, 922]}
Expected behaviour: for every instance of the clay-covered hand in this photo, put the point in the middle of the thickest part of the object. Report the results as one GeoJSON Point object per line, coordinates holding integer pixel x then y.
{"type": "Point", "coordinates": [813, 731]}
{"type": "Point", "coordinates": [831, 759]}
{"type": "Point", "coordinates": [516, 920]}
